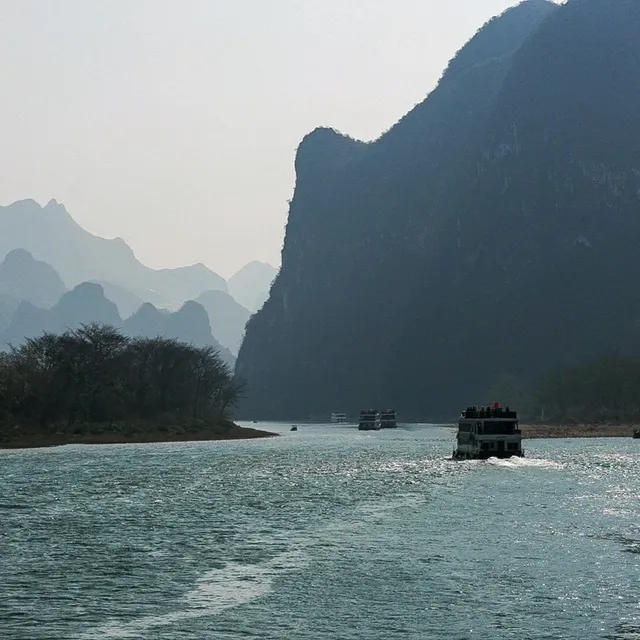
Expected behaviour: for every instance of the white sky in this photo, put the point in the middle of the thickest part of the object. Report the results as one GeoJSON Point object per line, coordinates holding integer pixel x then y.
{"type": "Point", "coordinates": [173, 123]}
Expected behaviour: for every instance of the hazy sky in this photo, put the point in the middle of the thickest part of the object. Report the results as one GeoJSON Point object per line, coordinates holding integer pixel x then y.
{"type": "Point", "coordinates": [173, 123]}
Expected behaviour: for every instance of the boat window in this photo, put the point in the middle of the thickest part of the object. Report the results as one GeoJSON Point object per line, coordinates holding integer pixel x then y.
{"type": "Point", "coordinates": [512, 446]}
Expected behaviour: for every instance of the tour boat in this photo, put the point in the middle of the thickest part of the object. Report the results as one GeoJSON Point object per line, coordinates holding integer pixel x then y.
{"type": "Point", "coordinates": [369, 420]}
{"type": "Point", "coordinates": [488, 432]}
{"type": "Point", "coordinates": [339, 418]}
{"type": "Point", "coordinates": [388, 419]}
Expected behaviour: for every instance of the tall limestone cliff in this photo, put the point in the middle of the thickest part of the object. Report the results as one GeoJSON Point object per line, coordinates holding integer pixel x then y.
{"type": "Point", "coordinates": [490, 233]}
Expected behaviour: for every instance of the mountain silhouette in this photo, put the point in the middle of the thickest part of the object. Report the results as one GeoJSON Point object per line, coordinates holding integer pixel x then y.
{"type": "Point", "coordinates": [128, 303]}
{"type": "Point", "coordinates": [49, 233]}
{"type": "Point", "coordinates": [85, 304]}
{"type": "Point", "coordinates": [250, 285]}
{"type": "Point", "coordinates": [490, 234]}
{"type": "Point", "coordinates": [189, 324]}
{"type": "Point", "coordinates": [24, 278]}
{"type": "Point", "coordinates": [227, 317]}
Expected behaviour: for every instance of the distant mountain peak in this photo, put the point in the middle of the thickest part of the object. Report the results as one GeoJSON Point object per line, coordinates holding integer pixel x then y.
{"type": "Point", "coordinates": [88, 290]}
{"type": "Point", "coordinates": [22, 277]}
{"type": "Point", "coordinates": [50, 233]}
{"type": "Point", "coordinates": [226, 316]}
{"type": "Point", "coordinates": [19, 256]}
{"type": "Point", "coordinates": [250, 285]}
{"type": "Point", "coordinates": [188, 324]}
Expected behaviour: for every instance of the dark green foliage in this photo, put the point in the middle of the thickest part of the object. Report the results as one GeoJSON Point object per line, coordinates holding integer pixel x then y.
{"type": "Point", "coordinates": [96, 375]}
{"type": "Point", "coordinates": [604, 389]}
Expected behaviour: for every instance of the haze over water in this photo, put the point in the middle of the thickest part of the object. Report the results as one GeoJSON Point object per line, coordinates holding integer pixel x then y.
{"type": "Point", "coordinates": [323, 533]}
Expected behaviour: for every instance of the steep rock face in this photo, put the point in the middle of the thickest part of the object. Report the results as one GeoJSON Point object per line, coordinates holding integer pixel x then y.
{"type": "Point", "coordinates": [85, 304]}
{"type": "Point", "coordinates": [362, 219]}
{"type": "Point", "coordinates": [543, 224]}
{"type": "Point", "coordinates": [24, 278]}
{"type": "Point", "coordinates": [490, 233]}
{"type": "Point", "coordinates": [51, 234]}
{"type": "Point", "coordinates": [189, 324]}
{"type": "Point", "coordinates": [227, 318]}
{"type": "Point", "coordinates": [250, 285]}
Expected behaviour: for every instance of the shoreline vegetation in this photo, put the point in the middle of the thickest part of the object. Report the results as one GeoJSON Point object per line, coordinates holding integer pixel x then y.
{"type": "Point", "coordinates": [97, 386]}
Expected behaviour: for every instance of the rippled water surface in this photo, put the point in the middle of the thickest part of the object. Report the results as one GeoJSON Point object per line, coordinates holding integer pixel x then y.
{"type": "Point", "coordinates": [324, 533]}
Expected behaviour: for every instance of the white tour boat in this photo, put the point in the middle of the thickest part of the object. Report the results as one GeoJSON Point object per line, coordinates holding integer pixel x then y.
{"type": "Point", "coordinates": [488, 432]}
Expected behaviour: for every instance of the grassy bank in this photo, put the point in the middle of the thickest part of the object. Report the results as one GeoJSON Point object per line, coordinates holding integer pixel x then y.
{"type": "Point", "coordinates": [531, 431]}
{"type": "Point", "coordinates": [22, 437]}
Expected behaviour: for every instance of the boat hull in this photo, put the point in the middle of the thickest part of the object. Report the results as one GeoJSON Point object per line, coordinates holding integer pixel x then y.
{"type": "Point", "coordinates": [485, 455]}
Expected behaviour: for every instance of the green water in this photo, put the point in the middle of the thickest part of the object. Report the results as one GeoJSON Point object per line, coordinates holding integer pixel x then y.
{"type": "Point", "coordinates": [324, 533]}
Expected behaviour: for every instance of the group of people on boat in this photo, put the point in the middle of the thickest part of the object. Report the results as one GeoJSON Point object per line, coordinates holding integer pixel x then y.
{"type": "Point", "coordinates": [488, 412]}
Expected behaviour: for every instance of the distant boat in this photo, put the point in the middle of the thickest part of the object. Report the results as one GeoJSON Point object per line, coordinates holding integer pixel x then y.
{"type": "Point", "coordinates": [338, 418]}
{"type": "Point", "coordinates": [636, 434]}
{"type": "Point", "coordinates": [369, 420]}
{"type": "Point", "coordinates": [293, 428]}
{"type": "Point", "coordinates": [490, 432]}
{"type": "Point", "coordinates": [388, 419]}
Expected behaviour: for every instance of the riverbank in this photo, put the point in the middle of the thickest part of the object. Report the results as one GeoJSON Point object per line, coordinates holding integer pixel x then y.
{"type": "Point", "coordinates": [18, 437]}
{"type": "Point", "coordinates": [536, 431]}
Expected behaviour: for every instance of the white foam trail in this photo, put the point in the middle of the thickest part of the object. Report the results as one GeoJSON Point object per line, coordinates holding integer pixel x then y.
{"type": "Point", "coordinates": [215, 592]}
{"type": "Point", "coordinates": [519, 463]}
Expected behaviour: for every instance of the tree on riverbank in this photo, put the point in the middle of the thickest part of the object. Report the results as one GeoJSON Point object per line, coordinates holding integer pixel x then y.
{"type": "Point", "coordinates": [96, 375]}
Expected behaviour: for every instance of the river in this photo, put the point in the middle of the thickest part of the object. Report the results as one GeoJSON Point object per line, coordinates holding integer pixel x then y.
{"type": "Point", "coordinates": [323, 533]}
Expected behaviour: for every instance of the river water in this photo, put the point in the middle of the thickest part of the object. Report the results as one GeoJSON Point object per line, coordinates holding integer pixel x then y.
{"type": "Point", "coordinates": [323, 533]}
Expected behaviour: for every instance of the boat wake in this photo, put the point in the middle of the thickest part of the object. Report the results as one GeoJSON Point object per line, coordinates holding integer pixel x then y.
{"type": "Point", "coordinates": [215, 592]}
{"type": "Point", "coordinates": [521, 463]}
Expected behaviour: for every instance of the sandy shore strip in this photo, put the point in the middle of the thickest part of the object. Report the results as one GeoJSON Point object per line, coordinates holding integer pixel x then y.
{"type": "Point", "coordinates": [36, 440]}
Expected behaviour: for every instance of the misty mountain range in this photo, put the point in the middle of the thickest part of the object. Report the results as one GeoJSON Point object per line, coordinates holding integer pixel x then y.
{"type": "Point", "coordinates": [56, 275]}
{"type": "Point", "coordinates": [487, 238]}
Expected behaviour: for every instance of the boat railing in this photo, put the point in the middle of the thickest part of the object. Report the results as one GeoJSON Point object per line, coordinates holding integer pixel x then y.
{"type": "Point", "coordinates": [489, 412]}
